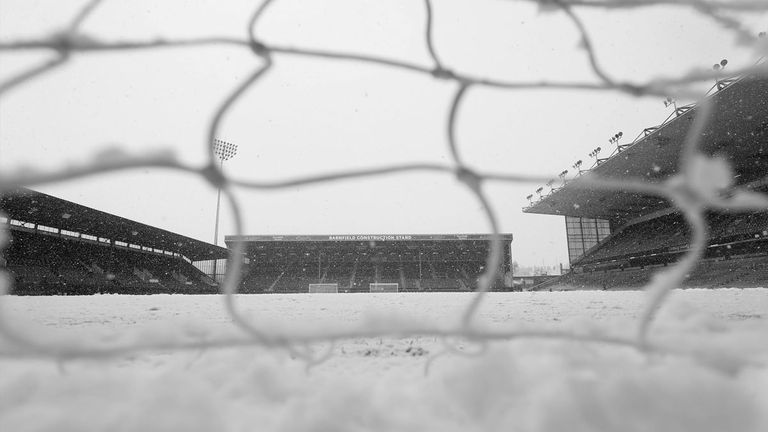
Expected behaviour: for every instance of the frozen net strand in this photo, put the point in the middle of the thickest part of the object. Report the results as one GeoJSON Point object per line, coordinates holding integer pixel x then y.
{"type": "Point", "coordinates": [682, 190]}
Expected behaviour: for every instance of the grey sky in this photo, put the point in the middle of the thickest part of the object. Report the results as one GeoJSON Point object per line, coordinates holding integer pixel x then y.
{"type": "Point", "coordinates": [311, 116]}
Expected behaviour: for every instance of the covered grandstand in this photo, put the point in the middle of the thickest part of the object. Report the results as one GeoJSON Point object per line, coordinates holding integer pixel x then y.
{"type": "Point", "coordinates": [617, 238]}
{"type": "Point", "coordinates": [60, 247]}
{"type": "Point", "coordinates": [366, 263]}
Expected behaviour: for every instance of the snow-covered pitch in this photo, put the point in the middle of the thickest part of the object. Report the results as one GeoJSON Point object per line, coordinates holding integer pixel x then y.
{"type": "Point", "coordinates": [387, 384]}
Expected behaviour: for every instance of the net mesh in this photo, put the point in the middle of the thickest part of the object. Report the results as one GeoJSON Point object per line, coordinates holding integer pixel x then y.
{"type": "Point", "coordinates": [692, 191]}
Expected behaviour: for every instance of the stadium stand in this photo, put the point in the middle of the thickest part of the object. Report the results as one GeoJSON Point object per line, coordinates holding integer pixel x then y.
{"type": "Point", "coordinates": [59, 247]}
{"type": "Point", "coordinates": [620, 239]}
{"type": "Point", "coordinates": [281, 264]}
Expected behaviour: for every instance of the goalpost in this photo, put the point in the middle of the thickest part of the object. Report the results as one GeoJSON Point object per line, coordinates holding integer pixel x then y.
{"type": "Point", "coordinates": [383, 287]}
{"type": "Point", "coordinates": [323, 288]}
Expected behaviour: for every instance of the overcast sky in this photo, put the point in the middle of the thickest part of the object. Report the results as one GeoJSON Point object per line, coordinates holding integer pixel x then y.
{"type": "Point", "coordinates": [312, 116]}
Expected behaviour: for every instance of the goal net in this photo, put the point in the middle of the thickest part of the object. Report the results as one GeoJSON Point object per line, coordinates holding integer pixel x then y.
{"type": "Point", "coordinates": [323, 288]}
{"type": "Point", "coordinates": [384, 287]}
{"type": "Point", "coordinates": [460, 100]}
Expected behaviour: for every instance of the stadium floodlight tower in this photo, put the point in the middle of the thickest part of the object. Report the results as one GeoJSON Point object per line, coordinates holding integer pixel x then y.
{"type": "Point", "coordinates": [720, 66]}
{"type": "Point", "coordinates": [594, 153]}
{"type": "Point", "coordinates": [670, 101]}
{"type": "Point", "coordinates": [224, 151]}
{"type": "Point", "coordinates": [577, 166]}
{"type": "Point", "coordinates": [616, 139]}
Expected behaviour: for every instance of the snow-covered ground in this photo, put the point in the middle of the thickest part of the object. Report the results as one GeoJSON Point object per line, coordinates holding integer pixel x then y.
{"type": "Point", "coordinates": [382, 384]}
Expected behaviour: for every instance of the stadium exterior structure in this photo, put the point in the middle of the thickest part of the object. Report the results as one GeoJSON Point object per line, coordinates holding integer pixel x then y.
{"type": "Point", "coordinates": [366, 262]}
{"type": "Point", "coordinates": [618, 238]}
{"type": "Point", "coordinates": [60, 247]}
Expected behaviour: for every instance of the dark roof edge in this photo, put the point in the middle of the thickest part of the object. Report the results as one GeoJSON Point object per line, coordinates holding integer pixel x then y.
{"type": "Point", "coordinates": [364, 237]}
{"type": "Point", "coordinates": [159, 232]}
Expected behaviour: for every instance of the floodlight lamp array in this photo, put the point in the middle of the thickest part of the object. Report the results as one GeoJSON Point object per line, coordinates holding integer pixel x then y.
{"type": "Point", "coordinates": [721, 65]}
{"type": "Point", "coordinates": [224, 150]}
{"type": "Point", "coordinates": [616, 138]}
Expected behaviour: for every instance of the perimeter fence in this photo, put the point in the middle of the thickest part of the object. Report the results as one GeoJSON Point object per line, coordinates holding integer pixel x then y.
{"type": "Point", "coordinates": [702, 183]}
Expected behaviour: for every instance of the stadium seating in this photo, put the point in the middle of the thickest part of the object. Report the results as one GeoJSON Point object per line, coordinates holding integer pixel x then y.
{"type": "Point", "coordinates": [273, 275]}
{"type": "Point", "coordinates": [52, 264]}
{"type": "Point", "coordinates": [744, 272]}
{"type": "Point", "coordinates": [670, 234]}
{"type": "Point", "coordinates": [657, 235]}
{"type": "Point", "coordinates": [737, 254]}
{"type": "Point", "coordinates": [355, 264]}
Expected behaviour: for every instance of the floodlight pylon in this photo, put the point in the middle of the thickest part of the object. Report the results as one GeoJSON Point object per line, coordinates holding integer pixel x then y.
{"type": "Point", "coordinates": [224, 151]}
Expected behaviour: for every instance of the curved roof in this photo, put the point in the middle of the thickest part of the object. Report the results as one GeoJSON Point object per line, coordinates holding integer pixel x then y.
{"type": "Point", "coordinates": [36, 207]}
{"type": "Point", "coordinates": [737, 131]}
